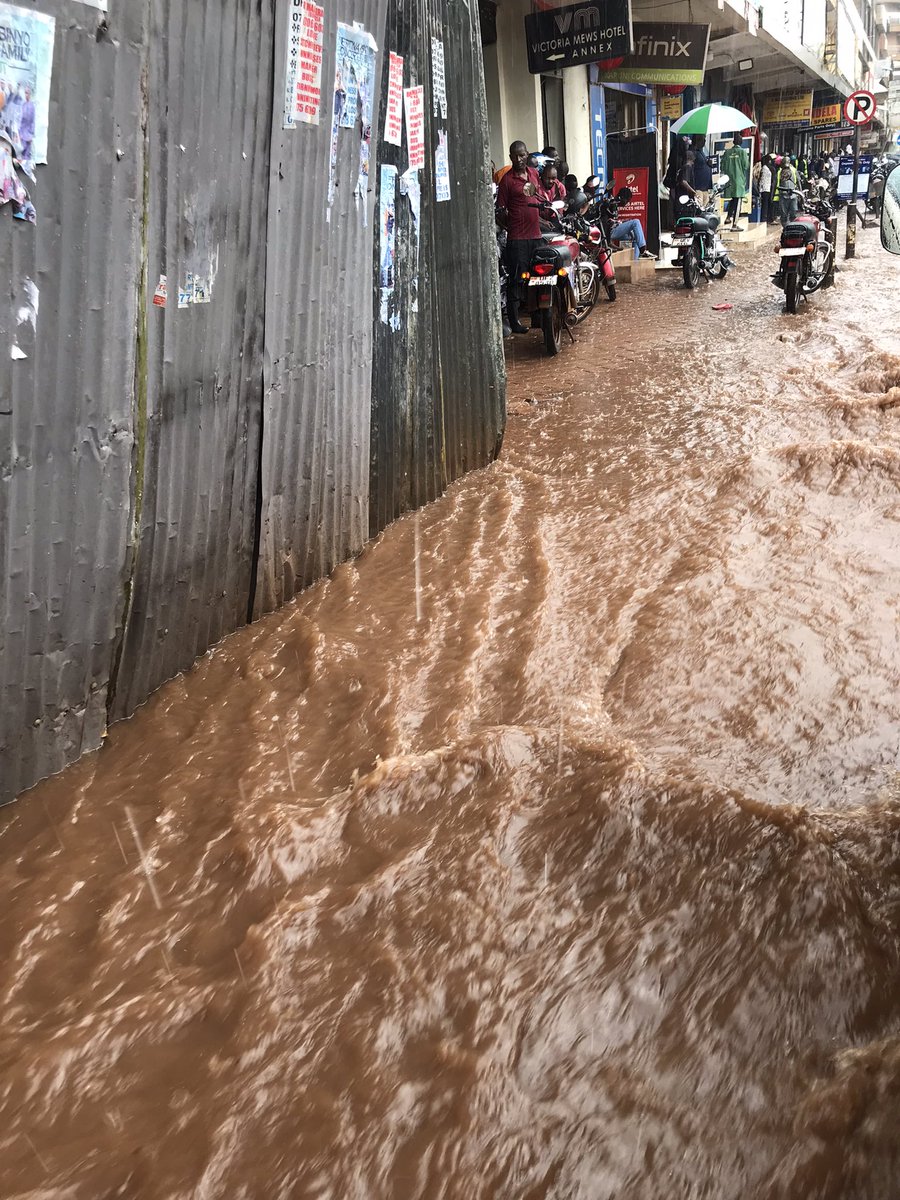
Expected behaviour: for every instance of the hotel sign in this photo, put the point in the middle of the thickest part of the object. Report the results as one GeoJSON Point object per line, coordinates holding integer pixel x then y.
{"type": "Point", "coordinates": [577, 35]}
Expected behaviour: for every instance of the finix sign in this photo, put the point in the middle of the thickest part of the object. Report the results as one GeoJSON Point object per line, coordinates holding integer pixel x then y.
{"type": "Point", "coordinates": [576, 35]}
{"type": "Point", "coordinates": [662, 54]}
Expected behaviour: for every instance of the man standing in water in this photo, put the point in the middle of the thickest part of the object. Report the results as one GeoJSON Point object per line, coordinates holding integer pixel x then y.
{"type": "Point", "coordinates": [517, 211]}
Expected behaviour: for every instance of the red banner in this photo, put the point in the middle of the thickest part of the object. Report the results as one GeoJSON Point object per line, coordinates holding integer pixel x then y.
{"type": "Point", "coordinates": [637, 180]}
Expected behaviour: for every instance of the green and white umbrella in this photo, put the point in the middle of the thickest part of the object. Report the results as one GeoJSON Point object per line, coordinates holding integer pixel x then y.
{"type": "Point", "coordinates": [712, 118]}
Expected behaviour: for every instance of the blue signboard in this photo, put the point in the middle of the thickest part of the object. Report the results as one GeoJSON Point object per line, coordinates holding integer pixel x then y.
{"type": "Point", "coordinates": [598, 131]}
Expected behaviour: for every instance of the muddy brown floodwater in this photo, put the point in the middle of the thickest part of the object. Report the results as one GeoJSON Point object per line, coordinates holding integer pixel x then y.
{"type": "Point", "coordinates": [571, 874]}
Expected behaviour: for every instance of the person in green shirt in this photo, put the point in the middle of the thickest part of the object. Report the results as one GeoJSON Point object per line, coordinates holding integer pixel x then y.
{"type": "Point", "coordinates": [736, 165]}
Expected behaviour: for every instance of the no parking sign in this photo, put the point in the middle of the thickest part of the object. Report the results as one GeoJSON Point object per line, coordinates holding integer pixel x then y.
{"type": "Point", "coordinates": [860, 108]}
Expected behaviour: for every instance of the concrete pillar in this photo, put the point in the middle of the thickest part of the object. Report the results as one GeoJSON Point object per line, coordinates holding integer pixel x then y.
{"type": "Point", "coordinates": [576, 98]}
{"type": "Point", "coordinates": [521, 114]}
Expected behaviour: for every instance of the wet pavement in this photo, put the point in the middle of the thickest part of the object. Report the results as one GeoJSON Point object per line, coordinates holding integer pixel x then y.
{"type": "Point", "coordinates": [556, 860]}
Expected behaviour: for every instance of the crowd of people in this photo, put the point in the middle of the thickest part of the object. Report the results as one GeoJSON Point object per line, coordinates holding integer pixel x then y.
{"type": "Point", "coordinates": [526, 191]}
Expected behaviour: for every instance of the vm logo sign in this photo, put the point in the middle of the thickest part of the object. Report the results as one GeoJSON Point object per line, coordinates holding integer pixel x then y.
{"type": "Point", "coordinates": [583, 18]}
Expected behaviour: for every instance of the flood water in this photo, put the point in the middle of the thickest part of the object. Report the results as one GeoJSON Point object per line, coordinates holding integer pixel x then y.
{"type": "Point", "coordinates": [558, 862]}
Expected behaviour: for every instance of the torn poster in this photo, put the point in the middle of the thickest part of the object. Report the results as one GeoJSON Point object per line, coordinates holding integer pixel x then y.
{"type": "Point", "coordinates": [438, 78]}
{"type": "Point", "coordinates": [25, 313]}
{"type": "Point", "coordinates": [354, 85]}
{"type": "Point", "coordinates": [12, 189]}
{"type": "Point", "coordinates": [303, 77]}
{"type": "Point", "coordinates": [103, 5]}
{"type": "Point", "coordinates": [393, 121]}
{"type": "Point", "coordinates": [387, 209]}
{"type": "Point", "coordinates": [414, 103]}
{"type": "Point", "coordinates": [442, 168]}
{"type": "Point", "coordinates": [161, 294]}
{"type": "Point", "coordinates": [26, 67]}
{"type": "Point", "coordinates": [412, 189]}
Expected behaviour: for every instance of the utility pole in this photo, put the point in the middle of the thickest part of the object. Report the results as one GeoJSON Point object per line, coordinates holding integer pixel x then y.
{"type": "Point", "coordinates": [851, 207]}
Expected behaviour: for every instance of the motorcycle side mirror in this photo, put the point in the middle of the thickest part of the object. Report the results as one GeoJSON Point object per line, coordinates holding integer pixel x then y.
{"type": "Point", "coordinates": [722, 179]}
{"type": "Point", "coordinates": [890, 213]}
{"type": "Point", "coordinates": [558, 206]}
{"type": "Point", "coordinates": [684, 199]}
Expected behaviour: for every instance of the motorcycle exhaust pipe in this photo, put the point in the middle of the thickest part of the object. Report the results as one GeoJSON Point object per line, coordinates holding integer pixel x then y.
{"type": "Point", "coordinates": [571, 319]}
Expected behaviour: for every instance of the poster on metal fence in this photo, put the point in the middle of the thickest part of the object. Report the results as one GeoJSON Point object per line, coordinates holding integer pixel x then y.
{"type": "Point", "coordinates": [442, 168]}
{"type": "Point", "coordinates": [103, 5]}
{"type": "Point", "coordinates": [26, 67]}
{"type": "Point", "coordinates": [303, 75]}
{"type": "Point", "coordinates": [387, 210]}
{"type": "Point", "coordinates": [393, 121]}
{"type": "Point", "coordinates": [411, 188]}
{"type": "Point", "coordinates": [354, 85]}
{"type": "Point", "coordinates": [438, 78]}
{"type": "Point", "coordinates": [414, 104]}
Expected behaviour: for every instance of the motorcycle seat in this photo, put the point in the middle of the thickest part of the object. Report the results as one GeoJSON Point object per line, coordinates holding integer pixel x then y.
{"type": "Point", "coordinates": [698, 224]}
{"type": "Point", "coordinates": [559, 254]}
{"type": "Point", "coordinates": [802, 225]}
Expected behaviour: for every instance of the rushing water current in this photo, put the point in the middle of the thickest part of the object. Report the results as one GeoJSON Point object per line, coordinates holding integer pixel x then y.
{"type": "Point", "coordinates": [558, 861]}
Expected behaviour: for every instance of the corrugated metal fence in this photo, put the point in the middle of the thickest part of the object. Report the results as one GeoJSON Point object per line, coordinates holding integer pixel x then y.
{"type": "Point", "coordinates": [164, 471]}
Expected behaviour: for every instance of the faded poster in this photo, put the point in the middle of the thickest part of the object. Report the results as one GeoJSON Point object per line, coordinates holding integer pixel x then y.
{"type": "Point", "coordinates": [414, 103]}
{"type": "Point", "coordinates": [387, 210]}
{"type": "Point", "coordinates": [412, 189]}
{"type": "Point", "coordinates": [438, 78]}
{"type": "Point", "coordinates": [442, 168]}
{"type": "Point", "coordinates": [103, 5]}
{"type": "Point", "coordinates": [26, 67]}
{"type": "Point", "coordinates": [12, 189]}
{"type": "Point", "coordinates": [393, 120]}
{"type": "Point", "coordinates": [354, 84]}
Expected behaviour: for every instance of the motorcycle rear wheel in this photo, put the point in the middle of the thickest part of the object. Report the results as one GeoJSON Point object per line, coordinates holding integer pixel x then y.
{"type": "Point", "coordinates": [553, 329]}
{"type": "Point", "coordinates": [690, 269]}
{"type": "Point", "coordinates": [791, 291]}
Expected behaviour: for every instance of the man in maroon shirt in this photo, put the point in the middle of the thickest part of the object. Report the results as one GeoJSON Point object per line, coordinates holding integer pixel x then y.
{"type": "Point", "coordinates": [518, 210]}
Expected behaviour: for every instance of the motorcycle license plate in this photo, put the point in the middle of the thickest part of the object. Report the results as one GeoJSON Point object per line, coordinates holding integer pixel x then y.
{"type": "Point", "coordinates": [682, 241]}
{"type": "Point", "coordinates": [542, 281]}
{"type": "Point", "coordinates": [792, 253]}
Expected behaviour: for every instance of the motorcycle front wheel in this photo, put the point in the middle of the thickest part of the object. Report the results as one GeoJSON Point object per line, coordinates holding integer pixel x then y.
{"type": "Point", "coordinates": [587, 282]}
{"type": "Point", "coordinates": [718, 270]}
{"type": "Point", "coordinates": [690, 269]}
{"type": "Point", "coordinates": [610, 290]}
{"type": "Point", "coordinates": [553, 328]}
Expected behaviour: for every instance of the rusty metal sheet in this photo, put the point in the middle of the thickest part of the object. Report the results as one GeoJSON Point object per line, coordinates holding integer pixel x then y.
{"type": "Point", "coordinates": [210, 89]}
{"type": "Point", "coordinates": [67, 410]}
{"type": "Point", "coordinates": [438, 394]}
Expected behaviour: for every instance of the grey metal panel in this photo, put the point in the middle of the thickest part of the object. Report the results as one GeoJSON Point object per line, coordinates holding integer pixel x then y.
{"type": "Point", "coordinates": [66, 429]}
{"type": "Point", "coordinates": [315, 463]}
{"type": "Point", "coordinates": [208, 136]}
{"type": "Point", "coordinates": [438, 398]}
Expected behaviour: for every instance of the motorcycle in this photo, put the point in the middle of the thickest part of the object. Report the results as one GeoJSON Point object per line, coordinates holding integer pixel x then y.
{"type": "Point", "coordinates": [551, 283]}
{"type": "Point", "coordinates": [806, 251]}
{"type": "Point", "coordinates": [700, 249]}
{"type": "Point", "coordinates": [600, 218]}
{"type": "Point", "coordinates": [594, 266]}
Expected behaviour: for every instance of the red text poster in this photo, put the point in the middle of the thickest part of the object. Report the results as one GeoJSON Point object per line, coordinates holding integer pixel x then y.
{"type": "Point", "coordinates": [414, 102]}
{"type": "Point", "coordinates": [393, 121]}
{"type": "Point", "coordinates": [637, 180]}
{"type": "Point", "coordinates": [307, 100]}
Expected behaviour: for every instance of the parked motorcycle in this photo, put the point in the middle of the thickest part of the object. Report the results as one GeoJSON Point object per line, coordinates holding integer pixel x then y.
{"type": "Point", "coordinates": [701, 252]}
{"type": "Point", "coordinates": [594, 266]}
{"type": "Point", "coordinates": [806, 251]}
{"type": "Point", "coordinates": [549, 288]}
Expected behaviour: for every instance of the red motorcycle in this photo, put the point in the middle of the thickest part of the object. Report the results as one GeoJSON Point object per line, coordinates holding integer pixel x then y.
{"type": "Point", "coordinates": [549, 289]}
